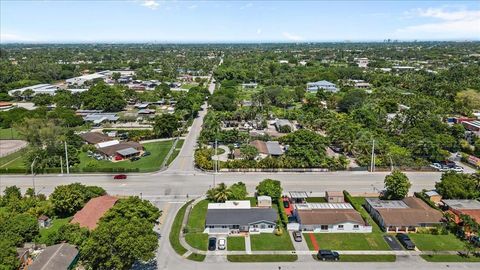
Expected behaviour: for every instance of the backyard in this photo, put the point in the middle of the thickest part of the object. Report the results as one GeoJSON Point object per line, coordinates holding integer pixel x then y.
{"type": "Point", "coordinates": [46, 232]}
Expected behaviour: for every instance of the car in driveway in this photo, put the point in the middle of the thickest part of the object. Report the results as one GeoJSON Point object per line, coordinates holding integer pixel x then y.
{"type": "Point", "coordinates": [134, 159]}
{"type": "Point", "coordinates": [120, 177]}
{"type": "Point", "coordinates": [328, 255]}
{"type": "Point", "coordinates": [221, 244]}
{"type": "Point", "coordinates": [297, 236]}
{"type": "Point", "coordinates": [212, 243]}
{"type": "Point", "coordinates": [406, 241]}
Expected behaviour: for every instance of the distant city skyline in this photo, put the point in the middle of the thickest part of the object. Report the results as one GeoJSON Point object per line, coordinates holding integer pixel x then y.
{"type": "Point", "coordinates": [236, 21]}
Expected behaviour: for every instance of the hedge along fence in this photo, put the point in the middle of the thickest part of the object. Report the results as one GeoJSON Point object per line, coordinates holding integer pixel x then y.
{"type": "Point", "coordinates": [358, 208]}
{"type": "Point", "coordinates": [72, 170]}
{"type": "Point", "coordinates": [281, 213]}
{"type": "Point", "coordinates": [424, 198]}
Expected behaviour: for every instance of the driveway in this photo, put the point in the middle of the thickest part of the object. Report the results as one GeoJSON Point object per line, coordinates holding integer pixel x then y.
{"type": "Point", "coordinates": [301, 246]}
{"type": "Point", "coordinates": [392, 242]}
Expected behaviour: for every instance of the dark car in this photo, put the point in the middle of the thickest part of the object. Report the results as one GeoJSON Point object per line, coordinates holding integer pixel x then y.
{"type": "Point", "coordinates": [297, 236]}
{"type": "Point", "coordinates": [212, 243]}
{"type": "Point", "coordinates": [328, 255]}
{"type": "Point", "coordinates": [134, 158]}
{"type": "Point", "coordinates": [146, 153]}
{"type": "Point", "coordinates": [120, 176]}
{"type": "Point", "coordinates": [406, 241]}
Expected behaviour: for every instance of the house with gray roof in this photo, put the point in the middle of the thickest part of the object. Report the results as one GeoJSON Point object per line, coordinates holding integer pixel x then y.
{"type": "Point", "coordinates": [253, 220]}
{"type": "Point", "coordinates": [325, 85]}
{"type": "Point", "coordinates": [59, 257]}
{"type": "Point", "coordinates": [99, 118]}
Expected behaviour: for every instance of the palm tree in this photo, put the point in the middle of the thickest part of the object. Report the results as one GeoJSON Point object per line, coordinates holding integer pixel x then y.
{"type": "Point", "coordinates": [222, 193]}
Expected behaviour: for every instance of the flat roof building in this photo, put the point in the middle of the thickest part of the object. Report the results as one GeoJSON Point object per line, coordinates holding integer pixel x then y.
{"type": "Point", "coordinates": [44, 88]}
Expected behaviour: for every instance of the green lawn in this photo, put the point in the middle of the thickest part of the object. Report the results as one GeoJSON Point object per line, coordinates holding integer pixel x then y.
{"type": "Point", "coordinates": [449, 258]}
{"type": "Point", "coordinates": [196, 257]}
{"type": "Point", "coordinates": [348, 241]}
{"type": "Point", "coordinates": [316, 200]}
{"type": "Point", "coordinates": [176, 151]}
{"type": "Point", "coordinates": [437, 242]}
{"type": "Point", "coordinates": [236, 243]}
{"type": "Point", "coordinates": [175, 230]}
{"type": "Point", "coordinates": [365, 258]}
{"type": "Point", "coordinates": [56, 224]}
{"type": "Point", "coordinates": [197, 240]}
{"type": "Point", "coordinates": [262, 258]}
{"type": "Point", "coordinates": [270, 241]}
{"type": "Point", "coordinates": [9, 134]}
{"type": "Point", "coordinates": [158, 151]}
{"type": "Point", "coordinates": [196, 224]}
{"type": "Point", "coordinates": [14, 160]}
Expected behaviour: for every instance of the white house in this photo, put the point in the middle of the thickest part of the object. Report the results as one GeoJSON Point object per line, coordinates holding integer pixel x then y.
{"type": "Point", "coordinates": [80, 80]}
{"type": "Point", "coordinates": [330, 218]}
{"type": "Point", "coordinates": [325, 85]}
{"type": "Point", "coordinates": [362, 62]}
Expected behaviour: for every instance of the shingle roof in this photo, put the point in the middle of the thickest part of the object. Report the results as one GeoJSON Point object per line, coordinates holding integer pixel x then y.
{"type": "Point", "coordinates": [93, 211]}
{"type": "Point", "coordinates": [128, 151]}
{"type": "Point", "coordinates": [94, 137]}
{"type": "Point", "coordinates": [462, 204]}
{"type": "Point", "coordinates": [113, 149]}
{"type": "Point", "coordinates": [240, 217]}
{"type": "Point", "coordinates": [329, 216]}
{"type": "Point", "coordinates": [56, 257]}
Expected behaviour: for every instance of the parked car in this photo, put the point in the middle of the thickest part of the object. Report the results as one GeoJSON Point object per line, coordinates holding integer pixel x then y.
{"type": "Point", "coordinates": [328, 255]}
{"type": "Point", "coordinates": [406, 241]}
{"type": "Point", "coordinates": [146, 153]}
{"type": "Point", "coordinates": [458, 169]}
{"type": "Point", "coordinates": [120, 176]}
{"type": "Point", "coordinates": [134, 159]}
{"type": "Point", "coordinates": [221, 243]}
{"type": "Point", "coordinates": [212, 243]}
{"type": "Point", "coordinates": [297, 236]}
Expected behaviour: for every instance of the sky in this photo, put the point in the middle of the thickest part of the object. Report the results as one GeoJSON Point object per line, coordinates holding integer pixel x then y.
{"type": "Point", "coordinates": [39, 21]}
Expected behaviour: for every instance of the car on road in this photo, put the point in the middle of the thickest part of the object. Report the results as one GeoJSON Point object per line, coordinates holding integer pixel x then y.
{"type": "Point", "coordinates": [406, 241]}
{"type": "Point", "coordinates": [120, 177]}
{"type": "Point", "coordinates": [297, 236]}
{"type": "Point", "coordinates": [212, 243]}
{"type": "Point", "coordinates": [222, 243]}
{"type": "Point", "coordinates": [328, 255]}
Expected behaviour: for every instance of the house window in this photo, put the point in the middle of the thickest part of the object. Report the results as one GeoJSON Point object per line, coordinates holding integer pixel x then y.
{"type": "Point", "coordinates": [355, 227]}
{"type": "Point", "coordinates": [255, 226]}
{"type": "Point", "coordinates": [270, 226]}
{"type": "Point", "coordinates": [340, 227]}
{"type": "Point", "coordinates": [224, 226]}
{"type": "Point", "coordinates": [236, 226]}
{"type": "Point", "coordinates": [323, 227]}
{"type": "Point", "coordinates": [211, 227]}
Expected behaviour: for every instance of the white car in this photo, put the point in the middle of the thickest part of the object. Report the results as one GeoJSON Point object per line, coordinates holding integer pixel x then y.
{"type": "Point", "coordinates": [457, 169]}
{"type": "Point", "coordinates": [221, 244]}
{"type": "Point", "coordinates": [436, 166]}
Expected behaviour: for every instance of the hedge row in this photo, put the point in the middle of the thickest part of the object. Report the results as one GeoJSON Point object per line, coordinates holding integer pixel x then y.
{"type": "Point", "coordinates": [424, 198]}
{"type": "Point", "coordinates": [281, 212]}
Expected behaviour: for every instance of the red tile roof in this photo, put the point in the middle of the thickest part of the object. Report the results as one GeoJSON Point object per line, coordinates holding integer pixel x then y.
{"type": "Point", "coordinates": [93, 211]}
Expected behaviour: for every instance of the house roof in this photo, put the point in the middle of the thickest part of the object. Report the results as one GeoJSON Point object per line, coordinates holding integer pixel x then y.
{"type": "Point", "coordinates": [128, 151]}
{"type": "Point", "coordinates": [260, 145]}
{"type": "Point", "coordinates": [274, 149]}
{"type": "Point", "coordinates": [93, 211]}
{"type": "Point", "coordinates": [43, 218]}
{"type": "Point", "coordinates": [473, 213]}
{"type": "Point", "coordinates": [113, 149]}
{"type": "Point", "coordinates": [329, 216]}
{"type": "Point", "coordinates": [298, 194]}
{"type": "Point", "coordinates": [432, 193]}
{"type": "Point", "coordinates": [410, 211]}
{"type": "Point", "coordinates": [462, 204]}
{"type": "Point", "coordinates": [240, 217]}
{"type": "Point", "coordinates": [334, 194]}
{"type": "Point", "coordinates": [94, 137]}
{"type": "Point", "coordinates": [56, 257]}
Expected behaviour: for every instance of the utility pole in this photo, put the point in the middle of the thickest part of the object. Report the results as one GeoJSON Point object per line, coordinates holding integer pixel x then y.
{"type": "Point", "coordinates": [66, 158]}
{"type": "Point", "coordinates": [215, 164]}
{"type": "Point", "coordinates": [33, 175]}
{"type": "Point", "coordinates": [372, 162]}
{"type": "Point", "coordinates": [61, 165]}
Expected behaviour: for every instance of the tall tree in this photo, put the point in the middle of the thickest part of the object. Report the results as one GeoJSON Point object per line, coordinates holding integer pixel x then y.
{"type": "Point", "coordinates": [396, 185]}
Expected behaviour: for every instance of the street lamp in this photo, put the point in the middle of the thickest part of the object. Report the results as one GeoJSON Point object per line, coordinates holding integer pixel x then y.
{"type": "Point", "coordinates": [33, 175]}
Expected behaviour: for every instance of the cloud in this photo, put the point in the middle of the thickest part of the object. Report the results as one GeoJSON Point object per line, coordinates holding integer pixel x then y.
{"type": "Point", "coordinates": [9, 37]}
{"type": "Point", "coordinates": [293, 37]}
{"type": "Point", "coordinates": [448, 23]}
{"type": "Point", "coordinates": [259, 31]}
{"type": "Point", "coordinates": [151, 4]}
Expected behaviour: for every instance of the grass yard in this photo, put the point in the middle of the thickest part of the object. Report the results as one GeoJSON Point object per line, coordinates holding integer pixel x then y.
{"type": "Point", "coordinates": [197, 240]}
{"type": "Point", "coordinates": [236, 243]}
{"type": "Point", "coordinates": [365, 258]}
{"type": "Point", "coordinates": [158, 150]}
{"type": "Point", "coordinates": [175, 152]}
{"type": "Point", "coordinates": [316, 200]}
{"type": "Point", "coordinates": [348, 241]}
{"type": "Point", "coordinates": [449, 258]}
{"type": "Point", "coordinates": [196, 257]}
{"type": "Point", "coordinates": [56, 224]}
{"type": "Point", "coordinates": [175, 230]}
{"type": "Point", "coordinates": [196, 224]}
{"type": "Point", "coordinates": [14, 160]}
{"type": "Point", "coordinates": [437, 242]}
{"type": "Point", "coordinates": [270, 241]}
{"type": "Point", "coordinates": [262, 258]}
{"type": "Point", "coordinates": [9, 134]}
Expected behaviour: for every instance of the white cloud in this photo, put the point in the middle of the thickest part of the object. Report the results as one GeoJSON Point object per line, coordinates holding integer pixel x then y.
{"type": "Point", "coordinates": [293, 37]}
{"type": "Point", "coordinates": [9, 37]}
{"type": "Point", "coordinates": [448, 23]}
{"type": "Point", "coordinates": [259, 31]}
{"type": "Point", "coordinates": [151, 4]}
